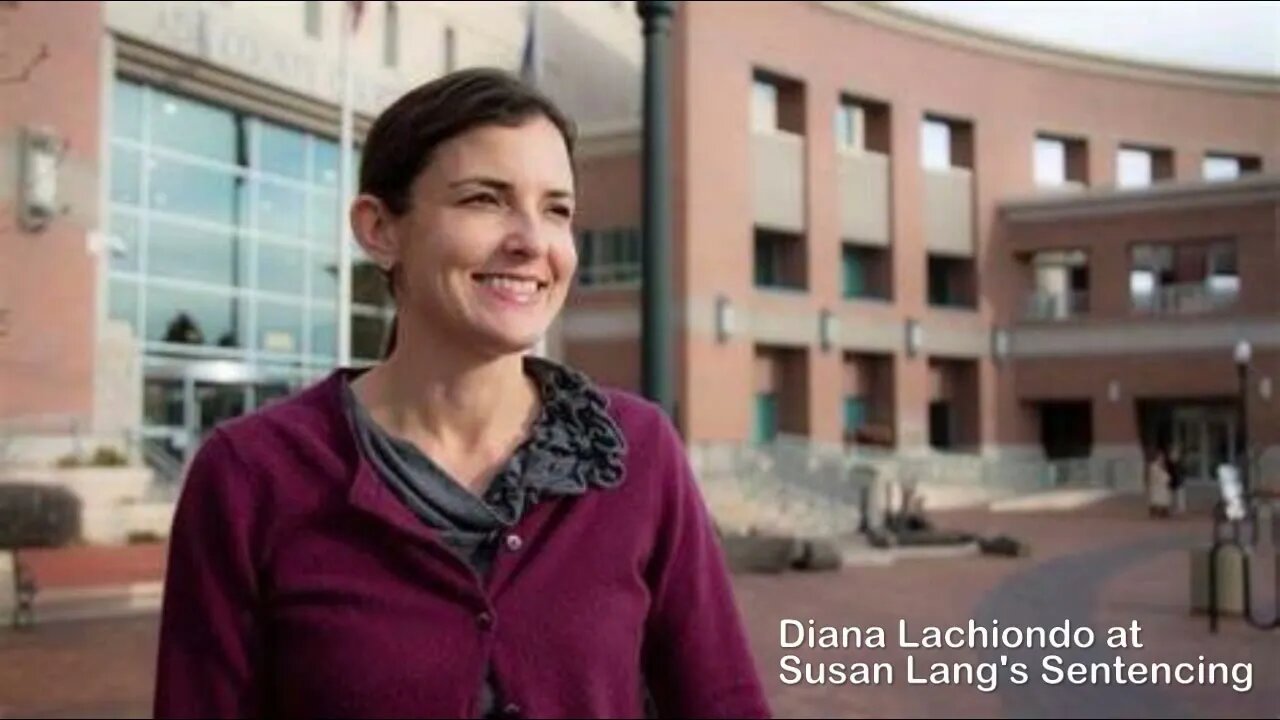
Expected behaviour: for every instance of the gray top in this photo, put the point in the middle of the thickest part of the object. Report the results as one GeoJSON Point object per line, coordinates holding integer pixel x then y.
{"type": "Point", "coordinates": [573, 445]}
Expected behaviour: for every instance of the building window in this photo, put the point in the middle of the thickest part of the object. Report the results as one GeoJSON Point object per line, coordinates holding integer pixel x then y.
{"type": "Point", "coordinates": [226, 228]}
{"type": "Point", "coordinates": [777, 104]}
{"type": "Point", "coordinates": [951, 282]}
{"type": "Point", "coordinates": [941, 432]}
{"type": "Point", "coordinates": [946, 143]}
{"type": "Point", "coordinates": [609, 257]}
{"type": "Point", "coordinates": [851, 127]}
{"type": "Point", "coordinates": [1218, 166]}
{"type": "Point", "coordinates": [855, 272]}
{"type": "Point", "coordinates": [935, 145]}
{"type": "Point", "coordinates": [313, 18]}
{"type": "Point", "coordinates": [1184, 278]}
{"type": "Point", "coordinates": [1061, 286]}
{"type": "Point", "coordinates": [391, 35]}
{"type": "Point", "coordinates": [1221, 168]}
{"type": "Point", "coordinates": [764, 106]}
{"type": "Point", "coordinates": [779, 260]}
{"type": "Point", "coordinates": [1138, 167]}
{"type": "Point", "coordinates": [1059, 162]}
{"type": "Point", "coordinates": [855, 413]}
{"type": "Point", "coordinates": [766, 417]}
{"type": "Point", "coordinates": [864, 272]}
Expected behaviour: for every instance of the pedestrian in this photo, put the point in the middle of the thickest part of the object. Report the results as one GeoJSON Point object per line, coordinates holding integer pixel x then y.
{"type": "Point", "coordinates": [1158, 494]}
{"type": "Point", "coordinates": [464, 529]}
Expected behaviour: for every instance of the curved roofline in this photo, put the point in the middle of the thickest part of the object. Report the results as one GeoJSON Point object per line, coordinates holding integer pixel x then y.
{"type": "Point", "coordinates": [1048, 53]}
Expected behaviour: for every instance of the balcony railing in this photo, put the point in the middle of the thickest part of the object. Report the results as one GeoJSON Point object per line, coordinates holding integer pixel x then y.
{"type": "Point", "coordinates": [1186, 299]}
{"type": "Point", "coordinates": [1057, 306]}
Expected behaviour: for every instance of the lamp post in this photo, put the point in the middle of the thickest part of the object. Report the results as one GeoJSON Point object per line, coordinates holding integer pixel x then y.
{"type": "Point", "coordinates": [1243, 355]}
{"type": "Point", "coordinates": [655, 289]}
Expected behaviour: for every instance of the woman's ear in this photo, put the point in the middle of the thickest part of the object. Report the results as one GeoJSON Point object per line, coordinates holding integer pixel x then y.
{"type": "Point", "coordinates": [374, 228]}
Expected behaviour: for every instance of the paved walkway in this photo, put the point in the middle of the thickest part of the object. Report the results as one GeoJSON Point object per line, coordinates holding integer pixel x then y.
{"type": "Point", "coordinates": [1102, 566]}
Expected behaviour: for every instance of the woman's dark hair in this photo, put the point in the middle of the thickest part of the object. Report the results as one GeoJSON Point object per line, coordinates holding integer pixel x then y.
{"type": "Point", "coordinates": [403, 139]}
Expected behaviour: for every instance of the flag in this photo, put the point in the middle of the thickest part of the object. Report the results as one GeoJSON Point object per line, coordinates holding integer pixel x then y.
{"type": "Point", "coordinates": [357, 11]}
{"type": "Point", "coordinates": [531, 56]}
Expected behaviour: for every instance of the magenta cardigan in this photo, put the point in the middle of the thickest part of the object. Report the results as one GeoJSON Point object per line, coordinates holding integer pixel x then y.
{"type": "Point", "coordinates": [299, 585]}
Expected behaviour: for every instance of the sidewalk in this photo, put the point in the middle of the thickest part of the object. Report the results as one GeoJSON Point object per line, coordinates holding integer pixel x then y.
{"type": "Point", "coordinates": [1102, 565]}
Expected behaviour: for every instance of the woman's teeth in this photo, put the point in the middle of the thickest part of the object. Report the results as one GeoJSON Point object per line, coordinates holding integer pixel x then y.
{"type": "Point", "coordinates": [520, 286]}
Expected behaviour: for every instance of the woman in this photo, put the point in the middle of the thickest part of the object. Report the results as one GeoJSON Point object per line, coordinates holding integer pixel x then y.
{"type": "Point", "coordinates": [463, 530]}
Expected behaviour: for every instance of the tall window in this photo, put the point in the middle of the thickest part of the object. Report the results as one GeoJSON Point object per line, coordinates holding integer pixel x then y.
{"type": "Point", "coordinates": [935, 145]}
{"type": "Point", "coordinates": [855, 413]}
{"type": "Point", "coordinates": [766, 417]}
{"type": "Point", "coordinates": [1050, 162]}
{"type": "Point", "coordinates": [851, 127]}
{"type": "Point", "coordinates": [764, 106]}
{"type": "Point", "coordinates": [226, 230]}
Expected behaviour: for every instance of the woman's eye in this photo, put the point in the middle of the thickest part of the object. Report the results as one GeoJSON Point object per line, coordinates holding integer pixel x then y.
{"type": "Point", "coordinates": [481, 199]}
{"type": "Point", "coordinates": [563, 211]}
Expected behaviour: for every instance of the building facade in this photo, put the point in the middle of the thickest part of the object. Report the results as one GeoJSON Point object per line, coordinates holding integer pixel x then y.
{"type": "Point", "coordinates": [899, 234]}
{"type": "Point", "coordinates": [890, 233]}
{"type": "Point", "coordinates": [173, 252]}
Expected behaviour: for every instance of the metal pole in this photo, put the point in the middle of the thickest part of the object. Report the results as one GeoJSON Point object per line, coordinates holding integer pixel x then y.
{"type": "Point", "coordinates": [345, 185]}
{"type": "Point", "coordinates": [656, 285]}
{"type": "Point", "coordinates": [1244, 430]}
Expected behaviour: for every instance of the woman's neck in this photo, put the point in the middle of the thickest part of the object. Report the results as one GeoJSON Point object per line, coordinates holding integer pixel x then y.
{"type": "Point", "coordinates": [447, 398]}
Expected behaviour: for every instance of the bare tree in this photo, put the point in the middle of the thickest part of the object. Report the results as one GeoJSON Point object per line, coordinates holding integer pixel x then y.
{"type": "Point", "coordinates": [20, 71]}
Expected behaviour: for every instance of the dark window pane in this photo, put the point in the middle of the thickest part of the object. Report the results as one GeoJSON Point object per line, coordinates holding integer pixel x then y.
{"type": "Point", "coordinates": [367, 335]}
{"type": "Point", "coordinates": [368, 285]}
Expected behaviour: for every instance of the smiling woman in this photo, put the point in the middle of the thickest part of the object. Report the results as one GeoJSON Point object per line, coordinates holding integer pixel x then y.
{"type": "Point", "coordinates": [464, 529]}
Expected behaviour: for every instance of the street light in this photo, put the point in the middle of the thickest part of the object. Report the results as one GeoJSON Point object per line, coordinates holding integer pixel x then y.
{"type": "Point", "coordinates": [657, 364]}
{"type": "Point", "coordinates": [1243, 355]}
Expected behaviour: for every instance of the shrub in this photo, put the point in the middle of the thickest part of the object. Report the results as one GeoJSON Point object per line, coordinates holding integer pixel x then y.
{"type": "Point", "coordinates": [34, 515]}
{"type": "Point", "coordinates": [70, 460]}
{"type": "Point", "coordinates": [108, 457]}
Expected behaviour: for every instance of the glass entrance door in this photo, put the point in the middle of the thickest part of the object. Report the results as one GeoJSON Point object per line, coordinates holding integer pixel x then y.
{"type": "Point", "coordinates": [1206, 435]}
{"type": "Point", "coordinates": [183, 404]}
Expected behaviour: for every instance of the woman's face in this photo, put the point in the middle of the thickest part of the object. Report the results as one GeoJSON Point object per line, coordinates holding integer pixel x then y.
{"type": "Point", "coordinates": [485, 251]}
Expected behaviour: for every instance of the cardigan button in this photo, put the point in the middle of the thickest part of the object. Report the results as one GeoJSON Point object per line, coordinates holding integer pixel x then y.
{"type": "Point", "coordinates": [484, 620]}
{"type": "Point", "coordinates": [514, 542]}
{"type": "Point", "coordinates": [511, 710]}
